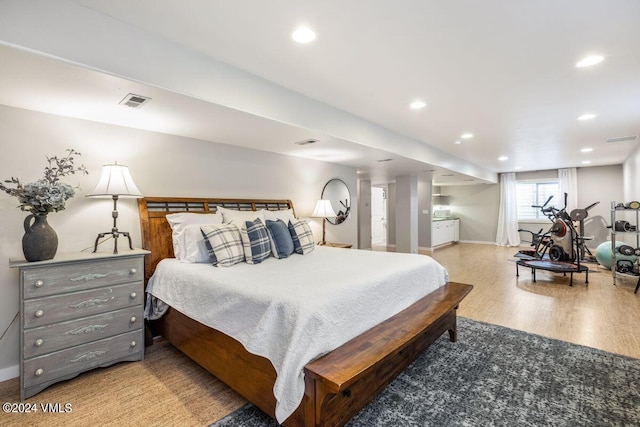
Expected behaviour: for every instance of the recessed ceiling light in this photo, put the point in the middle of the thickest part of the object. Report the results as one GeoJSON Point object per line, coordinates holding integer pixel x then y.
{"type": "Point", "coordinates": [586, 162]}
{"type": "Point", "coordinates": [503, 158]}
{"type": "Point", "coordinates": [466, 135]}
{"type": "Point", "coordinates": [417, 104]}
{"type": "Point", "coordinates": [587, 116]}
{"type": "Point", "coordinates": [586, 150]}
{"type": "Point", "coordinates": [589, 61]}
{"type": "Point", "coordinates": [458, 142]}
{"type": "Point", "coordinates": [303, 35]}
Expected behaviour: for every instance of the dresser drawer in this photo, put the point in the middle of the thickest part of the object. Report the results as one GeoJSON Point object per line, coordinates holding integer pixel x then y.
{"type": "Point", "coordinates": [58, 308]}
{"type": "Point", "coordinates": [74, 360]}
{"type": "Point", "coordinates": [49, 280]}
{"type": "Point", "coordinates": [45, 339]}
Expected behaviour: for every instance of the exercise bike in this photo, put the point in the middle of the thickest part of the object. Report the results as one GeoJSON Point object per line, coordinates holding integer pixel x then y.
{"type": "Point", "coordinates": [562, 241]}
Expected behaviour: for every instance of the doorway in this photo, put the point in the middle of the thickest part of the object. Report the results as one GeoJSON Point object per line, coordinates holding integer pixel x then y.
{"type": "Point", "coordinates": [378, 216]}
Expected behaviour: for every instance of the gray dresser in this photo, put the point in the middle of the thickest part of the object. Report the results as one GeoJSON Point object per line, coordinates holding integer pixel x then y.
{"type": "Point", "coordinates": [78, 312]}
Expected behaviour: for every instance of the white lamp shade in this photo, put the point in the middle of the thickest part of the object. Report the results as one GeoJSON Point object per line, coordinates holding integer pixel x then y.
{"type": "Point", "coordinates": [324, 209]}
{"type": "Point", "coordinates": [115, 181]}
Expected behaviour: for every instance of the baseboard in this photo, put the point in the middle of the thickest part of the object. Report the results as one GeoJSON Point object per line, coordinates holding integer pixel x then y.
{"type": "Point", "coordinates": [9, 373]}
{"type": "Point", "coordinates": [477, 242]}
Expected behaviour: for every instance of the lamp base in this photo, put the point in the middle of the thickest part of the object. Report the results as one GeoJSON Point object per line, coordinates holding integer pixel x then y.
{"type": "Point", "coordinates": [115, 235]}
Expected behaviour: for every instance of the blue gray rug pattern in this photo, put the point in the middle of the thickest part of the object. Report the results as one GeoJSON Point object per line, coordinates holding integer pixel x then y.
{"type": "Point", "coordinates": [496, 376]}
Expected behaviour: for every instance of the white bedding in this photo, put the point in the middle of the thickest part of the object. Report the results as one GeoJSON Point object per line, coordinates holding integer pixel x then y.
{"type": "Point", "coordinates": [294, 310]}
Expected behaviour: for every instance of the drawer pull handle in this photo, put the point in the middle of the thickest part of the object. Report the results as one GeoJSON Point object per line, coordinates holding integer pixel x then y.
{"type": "Point", "coordinates": [38, 283]}
{"type": "Point", "coordinates": [39, 342]}
{"type": "Point", "coordinates": [133, 271]}
{"type": "Point", "coordinates": [39, 372]}
{"type": "Point", "coordinates": [133, 319]}
{"type": "Point", "coordinates": [347, 393]}
{"type": "Point", "coordinates": [133, 295]}
{"type": "Point", "coordinates": [39, 313]}
{"type": "Point", "coordinates": [133, 344]}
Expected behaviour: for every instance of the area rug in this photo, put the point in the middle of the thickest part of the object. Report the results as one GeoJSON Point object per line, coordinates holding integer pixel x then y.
{"type": "Point", "coordinates": [496, 376]}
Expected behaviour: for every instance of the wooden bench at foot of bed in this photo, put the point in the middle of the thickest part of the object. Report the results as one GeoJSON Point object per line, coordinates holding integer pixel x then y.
{"type": "Point", "coordinates": [338, 384]}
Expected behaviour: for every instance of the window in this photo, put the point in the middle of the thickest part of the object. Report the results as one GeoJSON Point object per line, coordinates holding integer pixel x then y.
{"type": "Point", "coordinates": [529, 193]}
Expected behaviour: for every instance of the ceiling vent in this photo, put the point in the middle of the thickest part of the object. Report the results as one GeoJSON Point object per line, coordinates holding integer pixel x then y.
{"type": "Point", "coordinates": [383, 160]}
{"type": "Point", "coordinates": [306, 142]}
{"type": "Point", "coordinates": [621, 139]}
{"type": "Point", "coordinates": [135, 101]}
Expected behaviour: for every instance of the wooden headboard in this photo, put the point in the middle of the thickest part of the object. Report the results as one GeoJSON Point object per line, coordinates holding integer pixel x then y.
{"type": "Point", "coordinates": [156, 232]}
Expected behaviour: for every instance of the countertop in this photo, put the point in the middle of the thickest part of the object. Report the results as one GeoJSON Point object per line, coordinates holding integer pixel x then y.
{"type": "Point", "coordinates": [444, 218]}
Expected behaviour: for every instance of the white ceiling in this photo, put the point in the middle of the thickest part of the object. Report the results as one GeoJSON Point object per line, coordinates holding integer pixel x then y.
{"type": "Point", "coordinates": [502, 70]}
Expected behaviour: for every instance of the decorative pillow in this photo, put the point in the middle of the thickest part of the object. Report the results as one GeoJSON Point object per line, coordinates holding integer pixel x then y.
{"type": "Point", "coordinates": [224, 244]}
{"type": "Point", "coordinates": [281, 241]}
{"type": "Point", "coordinates": [302, 236]}
{"type": "Point", "coordinates": [196, 247]}
{"type": "Point", "coordinates": [285, 215]}
{"type": "Point", "coordinates": [239, 217]}
{"type": "Point", "coordinates": [185, 248]}
{"type": "Point", "coordinates": [255, 240]}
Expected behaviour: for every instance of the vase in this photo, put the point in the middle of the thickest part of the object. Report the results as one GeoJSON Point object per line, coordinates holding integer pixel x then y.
{"type": "Point", "coordinates": [40, 241]}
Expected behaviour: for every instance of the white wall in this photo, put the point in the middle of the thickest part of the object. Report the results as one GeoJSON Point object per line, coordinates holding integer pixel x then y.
{"type": "Point", "coordinates": [406, 207]}
{"type": "Point", "coordinates": [425, 191]}
{"type": "Point", "coordinates": [631, 176]}
{"type": "Point", "coordinates": [161, 165]}
{"type": "Point", "coordinates": [477, 208]}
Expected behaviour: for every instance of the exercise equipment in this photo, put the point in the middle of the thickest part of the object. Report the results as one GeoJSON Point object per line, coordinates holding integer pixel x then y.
{"type": "Point", "coordinates": [626, 250]}
{"type": "Point", "coordinates": [563, 241]}
{"type": "Point", "coordinates": [603, 254]}
{"type": "Point", "coordinates": [624, 226]}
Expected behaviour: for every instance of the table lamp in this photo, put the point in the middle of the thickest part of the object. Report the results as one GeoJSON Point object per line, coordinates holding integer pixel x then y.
{"type": "Point", "coordinates": [115, 182]}
{"type": "Point", "coordinates": [323, 210]}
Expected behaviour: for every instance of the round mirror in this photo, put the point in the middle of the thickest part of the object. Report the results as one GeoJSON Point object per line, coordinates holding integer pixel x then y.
{"type": "Point", "coordinates": [338, 193]}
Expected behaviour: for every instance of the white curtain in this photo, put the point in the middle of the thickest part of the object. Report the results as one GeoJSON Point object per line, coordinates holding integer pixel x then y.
{"type": "Point", "coordinates": [508, 215]}
{"type": "Point", "coordinates": [568, 183]}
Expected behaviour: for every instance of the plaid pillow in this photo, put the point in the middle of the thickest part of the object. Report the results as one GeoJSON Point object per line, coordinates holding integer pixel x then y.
{"type": "Point", "coordinates": [255, 240]}
{"type": "Point", "coordinates": [302, 236]}
{"type": "Point", "coordinates": [223, 243]}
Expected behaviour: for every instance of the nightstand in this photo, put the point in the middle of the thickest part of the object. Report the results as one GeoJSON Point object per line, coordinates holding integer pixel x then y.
{"type": "Point", "coordinates": [78, 312]}
{"type": "Point", "coordinates": [336, 245]}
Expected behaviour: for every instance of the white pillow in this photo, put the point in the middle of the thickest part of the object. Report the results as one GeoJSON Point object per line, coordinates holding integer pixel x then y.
{"type": "Point", "coordinates": [285, 215]}
{"type": "Point", "coordinates": [239, 217]}
{"type": "Point", "coordinates": [187, 243]}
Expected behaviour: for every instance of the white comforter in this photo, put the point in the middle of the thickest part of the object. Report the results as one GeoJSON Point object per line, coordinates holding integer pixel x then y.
{"type": "Point", "coordinates": [294, 310]}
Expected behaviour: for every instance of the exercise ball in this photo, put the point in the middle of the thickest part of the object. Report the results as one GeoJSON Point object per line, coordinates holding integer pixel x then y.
{"type": "Point", "coordinates": [603, 254]}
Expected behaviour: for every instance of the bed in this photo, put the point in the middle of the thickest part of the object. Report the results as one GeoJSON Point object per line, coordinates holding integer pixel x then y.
{"type": "Point", "coordinates": [336, 385]}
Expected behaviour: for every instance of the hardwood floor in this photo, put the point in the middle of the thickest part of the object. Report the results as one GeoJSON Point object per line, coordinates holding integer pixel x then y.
{"type": "Point", "coordinates": [598, 315]}
{"type": "Point", "coordinates": [169, 389]}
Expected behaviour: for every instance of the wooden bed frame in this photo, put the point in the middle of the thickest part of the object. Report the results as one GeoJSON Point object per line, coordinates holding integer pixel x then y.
{"type": "Point", "coordinates": [338, 384]}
